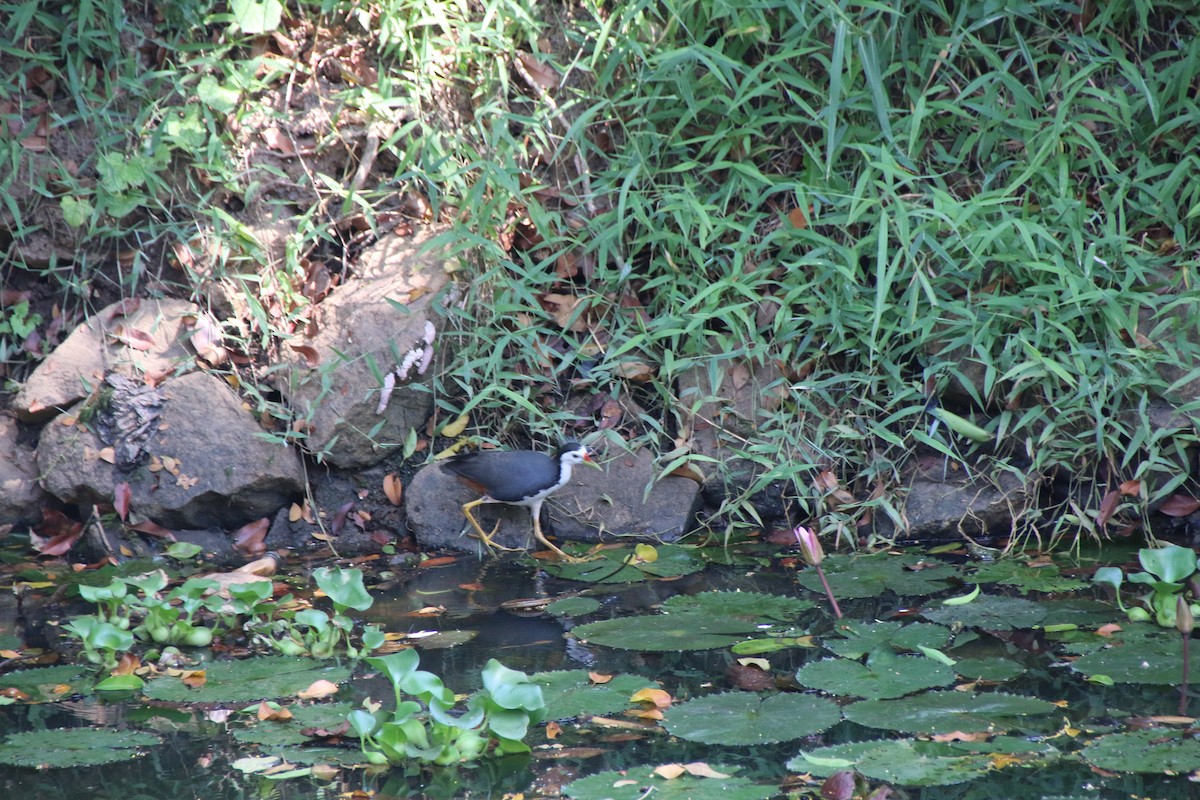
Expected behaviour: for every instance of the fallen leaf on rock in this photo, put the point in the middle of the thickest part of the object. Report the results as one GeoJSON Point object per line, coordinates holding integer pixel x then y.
{"type": "Point", "coordinates": [122, 494]}
{"type": "Point", "coordinates": [393, 489]}
{"type": "Point", "coordinates": [249, 539]}
{"type": "Point", "coordinates": [312, 358]}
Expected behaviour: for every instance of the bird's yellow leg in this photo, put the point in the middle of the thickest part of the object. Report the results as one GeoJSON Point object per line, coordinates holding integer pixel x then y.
{"type": "Point", "coordinates": [486, 538]}
{"type": "Point", "coordinates": [541, 537]}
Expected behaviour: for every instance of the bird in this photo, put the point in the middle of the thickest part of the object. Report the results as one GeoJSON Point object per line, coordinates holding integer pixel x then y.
{"type": "Point", "coordinates": [519, 478]}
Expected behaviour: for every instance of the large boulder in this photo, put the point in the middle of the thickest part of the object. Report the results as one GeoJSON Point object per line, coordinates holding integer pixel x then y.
{"type": "Point", "coordinates": [203, 463]}
{"type": "Point", "coordinates": [361, 333]}
{"type": "Point", "coordinates": [598, 504]}
{"type": "Point", "coordinates": [134, 338]}
{"type": "Point", "coordinates": [20, 495]}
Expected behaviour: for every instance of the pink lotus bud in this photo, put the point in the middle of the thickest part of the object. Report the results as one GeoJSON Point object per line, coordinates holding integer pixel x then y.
{"type": "Point", "coordinates": [810, 545]}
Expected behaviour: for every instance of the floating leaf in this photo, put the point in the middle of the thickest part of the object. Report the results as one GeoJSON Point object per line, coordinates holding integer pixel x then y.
{"type": "Point", "coordinates": [667, 632]}
{"type": "Point", "coordinates": [572, 693]}
{"type": "Point", "coordinates": [1154, 750]}
{"type": "Point", "coordinates": [250, 679]}
{"type": "Point", "coordinates": [747, 718]}
{"type": "Point", "coordinates": [860, 638]}
{"type": "Point", "coordinates": [1153, 656]}
{"type": "Point", "coordinates": [573, 607]}
{"type": "Point", "coordinates": [871, 575]}
{"type": "Point", "coordinates": [638, 782]}
{"type": "Point", "coordinates": [42, 684]}
{"type": "Point", "coordinates": [947, 712]}
{"type": "Point", "coordinates": [905, 762]}
{"type": "Point", "coordinates": [991, 613]}
{"type": "Point", "coordinates": [884, 675]}
{"type": "Point", "coordinates": [72, 747]}
{"type": "Point", "coordinates": [751, 605]}
{"type": "Point", "coordinates": [623, 566]}
{"type": "Point", "coordinates": [1026, 578]}
{"type": "Point", "coordinates": [994, 669]}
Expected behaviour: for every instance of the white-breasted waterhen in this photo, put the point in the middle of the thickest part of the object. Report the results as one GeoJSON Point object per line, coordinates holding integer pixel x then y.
{"type": "Point", "coordinates": [516, 477]}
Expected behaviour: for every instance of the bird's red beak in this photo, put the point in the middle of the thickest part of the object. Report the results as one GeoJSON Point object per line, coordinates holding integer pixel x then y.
{"type": "Point", "coordinates": [588, 457]}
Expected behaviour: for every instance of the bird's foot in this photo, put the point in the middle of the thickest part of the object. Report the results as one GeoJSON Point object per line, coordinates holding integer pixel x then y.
{"type": "Point", "coordinates": [489, 540]}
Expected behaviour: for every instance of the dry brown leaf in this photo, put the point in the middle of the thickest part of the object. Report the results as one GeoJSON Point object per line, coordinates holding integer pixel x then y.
{"type": "Point", "coordinates": [249, 539]}
{"type": "Point", "coordinates": [703, 770]}
{"type": "Point", "coordinates": [657, 697]}
{"type": "Point", "coordinates": [267, 712]}
{"type": "Point", "coordinates": [122, 495]}
{"type": "Point", "coordinates": [279, 141]}
{"type": "Point", "coordinates": [318, 690]}
{"type": "Point", "coordinates": [393, 489]}
{"type": "Point", "coordinates": [542, 74]}
{"type": "Point", "coordinates": [312, 359]}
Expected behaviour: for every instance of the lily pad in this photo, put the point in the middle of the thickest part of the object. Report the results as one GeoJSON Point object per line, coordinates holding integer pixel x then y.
{"type": "Point", "coordinates": [1134, 656]}
{"type": "Point", "coordinates": [990, 613]}
{"type": "Point", "coordinates": [746, 718]}
{"type": "Point", "coordinates": [263, 678]}
{"type": "Point", "coordinates": [871, 575]}
{"type": "Point", "coordinates": [906, 762]}
{"type": "Point", "coordinates": [571, 693]}
{"type": "Point", "coordinates": [996, 669]}
{"type": "Point", "coordinates": [44, 684]}
{"type": "Point", "coordinates": [573, 607]}
{"type": "Point", "coordinates": [751, 605]}
{"type": "Point", "coordinates": [623, 566]}
{"type": "Point", "coordinates": [860, 638]}
{"type": "Point", "coordinates": [1153, 750]}
{"type": "Point", "coordinates": [947, 712]}
{"type": "Point", "coordinates": [666, 632]}
{"type": "Point", "coordinates": [1026, 579]}
{"type": "Point", "coordinates": [639, 782]}
{"type": "Point", "coordinates": [73, 747]}
{"type": "Point", "coordinates": [884, 675]}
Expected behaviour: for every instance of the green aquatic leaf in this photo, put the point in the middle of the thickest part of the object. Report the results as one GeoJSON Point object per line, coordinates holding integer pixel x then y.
{"type": "Point", "coordinates": [42, 684]}
{"type": "Point", "coordinates": [990, 613]}
{"type": "Point", "coordinates": [947, 712]}
{"type": "Point", "coordinates": [854, 576]}
{"type": "Point", "coordinates": [261, 678]}
{"type": "Point", "coordinates": [73, 747]}
{"type": "Point", "coordinates": [859, 638]}
{"type": "Point", "coordinates": [995, 669]}
{"type": "Point", "coordinates": [1025, 578]}
{"type": "Point", "coordinates": [1153, 656]}
{"type": "Point", "coordinates": [747, 719]}
{"type": "Point", "coordinates": [667, 632]}
{"type": "Point", "coordinates": [904, 762]}
{"type": "Point", "coordinates": [1154, 750]}
{"type": "Point", "coordinates": [571, 693]}
{"type": "Point", "coordinates": [638, 783]}
{"type": "Point", "coordinates": [623, 565]}
{"type": "Point", "coordinates": [750, 605]}
{"type": "Point", "coordinates": [573, 607]}
{"type": "Point", "coordinates": [884, 675]}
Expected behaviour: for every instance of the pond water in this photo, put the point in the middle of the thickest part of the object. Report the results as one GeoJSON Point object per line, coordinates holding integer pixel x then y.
{"type": "Point", "coordinates": [899, 668]}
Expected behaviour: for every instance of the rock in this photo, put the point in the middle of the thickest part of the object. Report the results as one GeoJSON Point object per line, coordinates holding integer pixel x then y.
{"type": "Point", "coordinates": [726, 415]}
{"type": "Point", "coordinates": [21, 498]}
{"type": "Point", "coordinates": [611, 503]}
{"type": "Point", "coordinates": [940, 509]}
{"type": "Point", "coordinates": [361, 335]}
{"type": "Point", "coordinates": [597, 504]}
{"type": "Point", "coordinates": [130, 338]}
{"type": "Point", "coordinates": [208, 466]}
